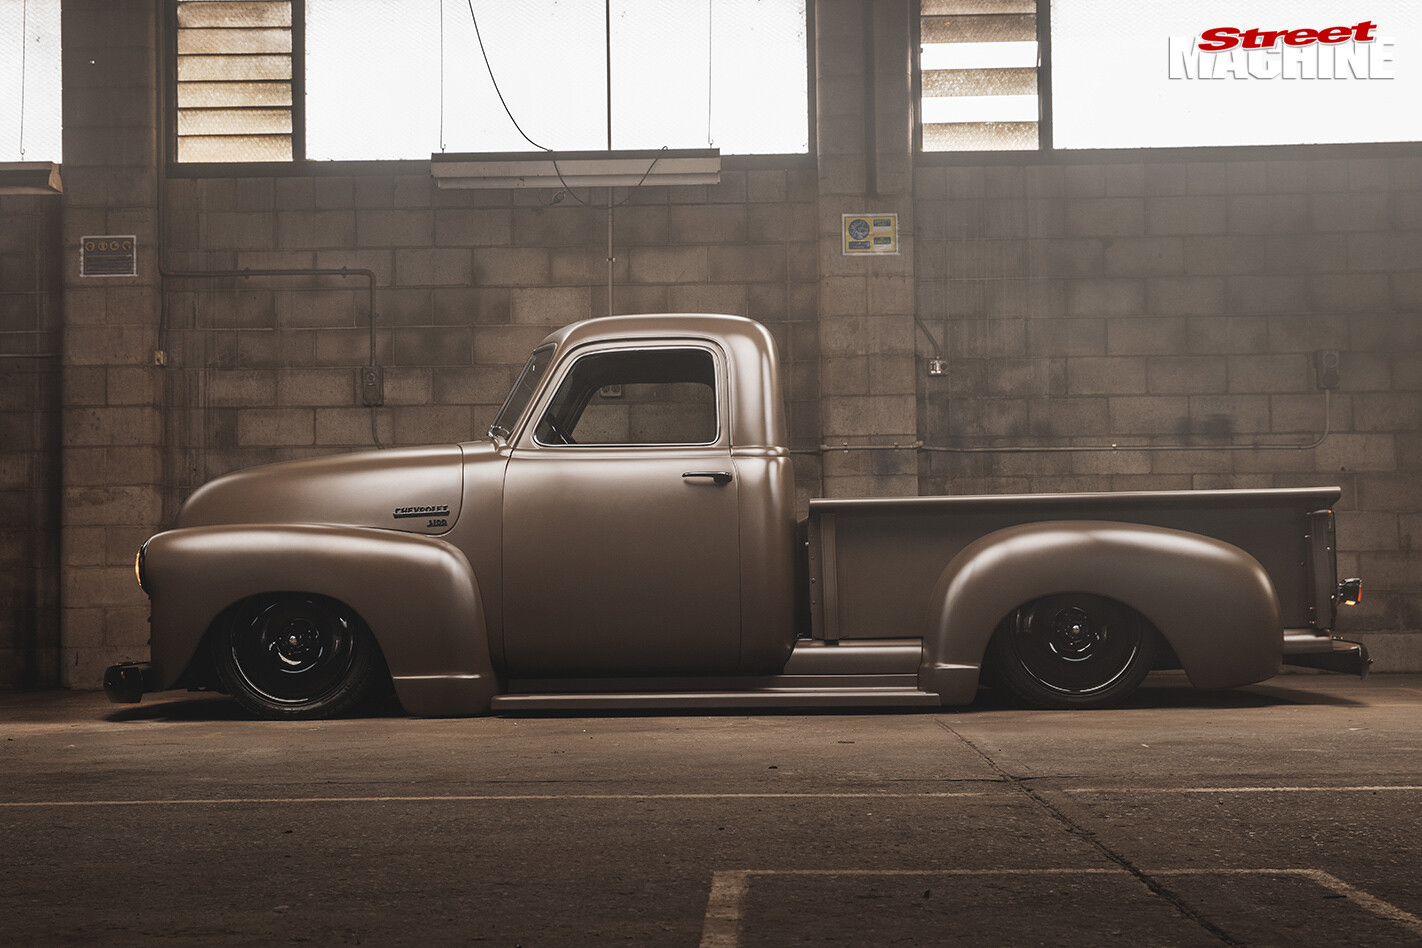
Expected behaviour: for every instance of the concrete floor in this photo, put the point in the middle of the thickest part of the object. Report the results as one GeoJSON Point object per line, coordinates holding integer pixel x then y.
{"type": "Point", "coordinates": [1282, 814]}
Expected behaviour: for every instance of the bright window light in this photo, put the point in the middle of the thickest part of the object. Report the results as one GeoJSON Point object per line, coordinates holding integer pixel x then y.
{"type": "Point", "coordinates": [978, 55]}
{"type": "Point", "coordinates": [29, 81]}
{"type": "Point", "coordinates": [382, 84]}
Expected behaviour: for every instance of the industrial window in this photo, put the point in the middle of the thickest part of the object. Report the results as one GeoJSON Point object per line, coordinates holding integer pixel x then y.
{"type": "Point", "coordinates": [234, 80]}
{"type": "Point", "coordinates": [29, 81]}
{"type": "Point", "coordinates": [1075, 74]}
{"type": "Point", "coordinates": [979, 64]}
{"type": "Point", "coordinates": [640, 396]}
{"type": "Point", "coordinates": [406, 80]}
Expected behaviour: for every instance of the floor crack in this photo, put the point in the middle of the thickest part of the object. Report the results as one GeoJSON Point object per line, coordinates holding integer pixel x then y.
{"type": "Point", "coordinates": [1087, 836]}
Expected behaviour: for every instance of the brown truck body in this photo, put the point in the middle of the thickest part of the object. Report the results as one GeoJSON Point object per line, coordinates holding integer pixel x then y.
{"type": "Point", "coordinates": [626, 536]}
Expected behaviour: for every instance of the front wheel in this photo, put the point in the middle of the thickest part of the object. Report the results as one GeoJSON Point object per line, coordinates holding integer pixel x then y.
{"type": "Point", "coordinates": [1073, 650]}
{"type": "Point", "coordinates": [295, 656]}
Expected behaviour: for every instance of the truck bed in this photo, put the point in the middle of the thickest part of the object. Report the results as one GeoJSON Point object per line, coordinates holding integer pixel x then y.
{"type": "Point", "coordinates": [873, 562]}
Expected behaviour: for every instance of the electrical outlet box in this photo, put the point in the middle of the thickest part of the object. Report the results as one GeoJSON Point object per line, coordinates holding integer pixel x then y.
{"type": "Point", "coordinates": [1326, 362]}
{"type": "Point", "coordinates": [370, 385]}
{"type": "Point", "coordinates": [937, 367]}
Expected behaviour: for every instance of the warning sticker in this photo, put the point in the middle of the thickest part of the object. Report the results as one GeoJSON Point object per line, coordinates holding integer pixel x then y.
{"type": "Point", "coordinates": [871, 233]}
{"type": "Point", "coordinates": [108, 256]}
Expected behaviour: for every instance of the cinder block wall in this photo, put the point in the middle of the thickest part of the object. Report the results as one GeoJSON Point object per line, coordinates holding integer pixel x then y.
{"type": "Point", "coordinates": [467, 283]}
{"type": "Point", "coordinates": [1182, 302]}
{"type": "Point", "coordinates": [30, 300]}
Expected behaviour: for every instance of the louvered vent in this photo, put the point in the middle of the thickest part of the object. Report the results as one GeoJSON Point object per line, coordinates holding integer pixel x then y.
{"type": "Point", "coordinates": [234, 80]}
{"type": "Point", "coordinates": [978, 64]}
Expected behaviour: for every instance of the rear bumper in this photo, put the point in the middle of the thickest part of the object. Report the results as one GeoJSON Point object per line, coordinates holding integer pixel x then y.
{"type": "Point", "coordinates": [1348, 658]}
{"type": "Point", "coordinates": [127, 682]}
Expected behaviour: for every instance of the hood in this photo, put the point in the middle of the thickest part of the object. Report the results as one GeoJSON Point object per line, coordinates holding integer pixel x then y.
{"type": "Point", "coordinates": [417, 490]}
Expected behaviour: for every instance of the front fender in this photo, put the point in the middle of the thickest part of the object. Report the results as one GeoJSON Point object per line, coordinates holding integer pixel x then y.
{"type": "Point", "coordinates": [1211, 601]}
{"type": "Point", "coordinates": [417, 594]}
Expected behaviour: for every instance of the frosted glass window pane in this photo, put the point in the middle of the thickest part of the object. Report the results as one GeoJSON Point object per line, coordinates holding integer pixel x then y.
{"type": "Point", "coordinates": [374, 76]}
{"type": "Point", "coordinates": [29, 81]}
{"type": "Point", "coordinates": [1112, 85]}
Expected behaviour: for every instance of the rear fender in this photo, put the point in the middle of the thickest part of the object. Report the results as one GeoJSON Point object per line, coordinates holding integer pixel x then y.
{"type": "Point", "coordinates": [417, 594]}
{"type": "Point", "coordinates": [1213, 602]}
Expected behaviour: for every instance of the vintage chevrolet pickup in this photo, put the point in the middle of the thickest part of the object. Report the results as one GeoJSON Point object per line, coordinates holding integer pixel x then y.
{"type": "Point", "coordinates": [625, 537]}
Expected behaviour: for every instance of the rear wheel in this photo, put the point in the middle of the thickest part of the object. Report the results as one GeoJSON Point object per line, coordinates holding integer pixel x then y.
{"type": "Point", "coordinates": [295, 656]}
{"type": "Point", "coordinates": [1073, 650]}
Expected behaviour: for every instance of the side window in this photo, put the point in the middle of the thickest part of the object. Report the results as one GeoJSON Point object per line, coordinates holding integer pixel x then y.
{"type": "Point", "coordinates": [635, 396]}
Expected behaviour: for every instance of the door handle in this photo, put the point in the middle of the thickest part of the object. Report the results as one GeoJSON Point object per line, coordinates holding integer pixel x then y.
{"type": "Point", "coordinates": [720, 477]}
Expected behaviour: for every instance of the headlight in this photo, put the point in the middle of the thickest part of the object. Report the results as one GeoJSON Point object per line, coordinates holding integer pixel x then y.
{"type": "Point", "coordinates": [138, 566]}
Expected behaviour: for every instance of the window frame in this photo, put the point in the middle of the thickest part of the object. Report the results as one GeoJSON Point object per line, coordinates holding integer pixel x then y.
{"type": "Point", "coordinates": [301, 165]}
{"type": "Point", "coordinates": [528, 438]}
{"type": "Point", "coordinates": [1046, 151]}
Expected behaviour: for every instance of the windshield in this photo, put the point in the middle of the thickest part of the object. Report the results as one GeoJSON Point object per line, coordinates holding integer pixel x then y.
{"type": "Point", "coordinates": [527, 384]}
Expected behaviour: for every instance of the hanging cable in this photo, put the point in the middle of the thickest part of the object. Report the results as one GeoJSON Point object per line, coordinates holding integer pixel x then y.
{"type": "Point", "coordinates": [24, 49]}
{"type": "Point", "coordinates": [441, 76]}
{"type": "Point", "coordinates": [710, 21]}
{"type": "Point", "coordinates": [479, 36]}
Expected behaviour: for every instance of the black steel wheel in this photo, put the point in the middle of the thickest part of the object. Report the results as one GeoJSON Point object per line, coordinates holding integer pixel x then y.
{"type": "Point", "coordinates": [1073, 650]}
{"type": "Point", "coordinates": [295, 656]}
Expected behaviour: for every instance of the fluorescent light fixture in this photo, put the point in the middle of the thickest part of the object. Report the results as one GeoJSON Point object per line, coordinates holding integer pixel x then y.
{"type": "Point", "coordinates": [576, 169]}
{"type": "Point", "coordinates": [30, 177]}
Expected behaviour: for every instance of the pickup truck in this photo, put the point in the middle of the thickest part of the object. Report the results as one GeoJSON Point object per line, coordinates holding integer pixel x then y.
{"type": "Point", "coordinates": [625, 536]}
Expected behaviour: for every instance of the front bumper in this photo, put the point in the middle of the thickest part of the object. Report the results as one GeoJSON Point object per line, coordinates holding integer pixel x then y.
{"type": "Point", "coordinates": [127, 682]}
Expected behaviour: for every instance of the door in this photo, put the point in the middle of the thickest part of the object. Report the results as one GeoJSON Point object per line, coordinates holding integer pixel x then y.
{"type": "Point", "coordinates": [621, 545]}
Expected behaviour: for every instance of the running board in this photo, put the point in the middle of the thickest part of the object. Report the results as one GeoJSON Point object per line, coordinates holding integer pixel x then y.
{"type": "Point", "coordinates": [701, 700]}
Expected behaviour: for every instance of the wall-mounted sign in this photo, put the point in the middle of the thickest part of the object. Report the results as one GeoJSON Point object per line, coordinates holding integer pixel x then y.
{"type": "Point", "coordinates": [871, 233]}
{"type": "Point", "coordinates": [108, 256]}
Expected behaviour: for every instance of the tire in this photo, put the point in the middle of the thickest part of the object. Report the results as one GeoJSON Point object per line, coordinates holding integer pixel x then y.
{"type": "Point", "coordinates": [1073, 650]}
{"type": "Point", "coordinates": [295, 656]}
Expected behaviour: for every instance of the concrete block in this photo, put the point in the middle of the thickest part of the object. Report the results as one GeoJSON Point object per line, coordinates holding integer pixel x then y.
{"type": "Point", "coordinates": [991, 338]}
{"type": "Point", "coordinates": [333, 192]}
{"type": "Point", "coordinates": [674, 264]}
{"type": "Point", "coordinates": [85, 427]}
{"type": "Point", "coordinates": [769, 186]}
{"type": "Point", "coordinates": [708, 223]}
{"type": "Point", "coordinates": [1166, 178]}
{"type": "Point", "coordinates": [1185, 296]}
{"type": "Point", "coordinates": [1394, 250]}
{"type": "Point", "coordinates": [1186, 375]}
{"type": "Point", "coordinates": [868, 415]}
{"type": "Point", "coordinates": [433, 346]}
{"type": "Point", "coordinates": [1027, 298]}
{"type": "Point", "coordinates": [1390, 412]}
{"type": "Point", "coordinates": [1306, 412]}
{"type": "Point", "coordinates": [374, 191]}
{"type": "Point", "coordinates": [276, 426]}
{"type": "Point", "coordinates": [1186, 215]}
{"type": "Point", "coordinates": [1270, 214]}
{"type": "Point", "coordinates": [234, 230]}
{"type": "Point", "coordinates": [83, 546]}
{"type": "Point", "coordinates": [1069, 417]}
{"type": "Point", "coordinates": [1111, 462]}
{"type": "Point", "coordinates": [752, 263]}
{"type": "Point", "coordinates": [301, 229]}
{"type": "Point", "coordinates": [465, 306]}
{"type": "Point", "coordinates": [1270, 373]}
{"type": "Point", "coordinates": [1061, 257]}
{"type": "Point", "coordinates": [307, 387]}
{"type": "Point", "coordinates": [1390, 491]}
{"type": "Point", "coordinates": [845, 375]}
{"type": "Point", "coordinates": [352, 426]}
{"type": "Point", "coordinates": [566, 224]}
{"type": "Point", "coordinates": [473, 227]}
{"type": "Point", "coordinates": [434, 267]}
{"type": "Point", "coordinates": [295, 194]}
{"type": "Point", "coordinates": [1218, 255]}
{"type": "Point", "coordinates": [1221, 417]}
{"type": "Point", "coordinates": [1043, 181]}
{"type": "Point", "coordinates": [1145, 256]}
{"type": "Point", "coordinates": [111, 505]}
{"type": "Point", "coordinates": [1065, 337]}
{"type": "Point", "coordinates": [507, 266]}
{"type": "Point", "coordinates": [85, 386]}
{"type": "Point", "coordinates": [1145, 335]}
{"type": "Point", "coordinates": [240, 388]}
{"type": "Point", "coordinates": [1153, 415]}
{"type": "Point", "coordinates": [1352, 211]}
{"type": "Point", "coordinates": [131, 385]}
{"type": "Point", "coordinates": [1253, 295]}
{"type": "Point", "coordinates": [432, 424]}
{"type": "Point", "coordinates": [1097, 297]}
{"type": "Point", "coordinates": [413, 190]}
{"type": "Point", "coordinates": [551, 306]}
{"type": "Point", "coordinates": [1191, 463]}
{"type": "Point", "coordinates": [1105, 375]}
{"type": "Point", "coordinates": [723, 298]}
{"type": "Point", "coordinates": [472, 385]}
{"type": "Point", "coordinates": [1226, 334]}
{"type": "Point", "coordinates": [1347, 293]}
{"type": "Point", "coordinates": [1019, 377]}
{"type": "Point", "coordinates": [1306, 253]}
{"type": "Point", "coordinates": [505, 345]}
{"type": "Point", "coordinates": [1084, 181]}
{"type": "Point", "coordinates": [1105, 216]}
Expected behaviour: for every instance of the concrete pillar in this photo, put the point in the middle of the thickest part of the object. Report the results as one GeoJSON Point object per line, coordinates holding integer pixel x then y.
{"type": "Point", "coordinates": [111, 427]}
{"type": "Point", "coordinates": [864, 143]}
